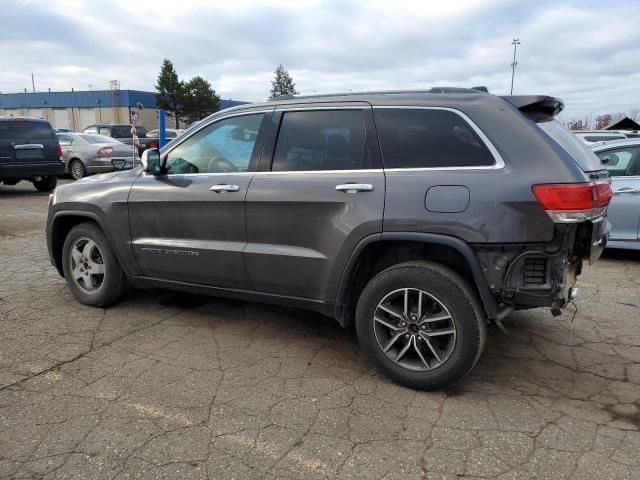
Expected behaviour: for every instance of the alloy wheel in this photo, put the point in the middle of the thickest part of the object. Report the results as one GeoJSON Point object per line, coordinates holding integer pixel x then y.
{"type": "Point", "coordinates": [77, 170]}
{"type": "Point", "coordinates": [414, 329]}
{"type": "Point", "coordinates": [86, 265]}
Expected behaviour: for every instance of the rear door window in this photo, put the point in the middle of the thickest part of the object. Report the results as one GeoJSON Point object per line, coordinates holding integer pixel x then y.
{"type": "Point", "coordinates": [25, 131]}
{"type": "Point", "coordinates": [429, 138]}
{"type": "Point", "coordinates": [321, 140]}
{"type": "Point", "coordinates": [119, 132]}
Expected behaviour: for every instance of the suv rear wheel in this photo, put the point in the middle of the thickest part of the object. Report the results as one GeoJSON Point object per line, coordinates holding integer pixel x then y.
{"type": "Point", "coordinates": [45, 184]}
{"type": "Point", "coordinates": [421, 324]}
{"type": "Point", "coordinates": [90, 266]}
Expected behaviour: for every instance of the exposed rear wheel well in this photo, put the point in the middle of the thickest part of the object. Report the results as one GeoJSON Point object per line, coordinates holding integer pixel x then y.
{"type": "Point", "coordinates": [379, 256]}
{"type": "Point", "coordinates": [60, 229]}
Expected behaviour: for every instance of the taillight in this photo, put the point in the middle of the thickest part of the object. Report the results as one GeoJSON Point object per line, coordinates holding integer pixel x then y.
{"type": "Point", "coordinates": [59, 150]}
{"type": "Point", "coordinates": [104, 151]}
{"type": "Point", "coordinates": [573, 202]}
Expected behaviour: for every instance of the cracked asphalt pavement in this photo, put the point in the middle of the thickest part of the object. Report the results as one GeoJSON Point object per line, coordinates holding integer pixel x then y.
{"type": "Point", "coordinates": [164, 385]}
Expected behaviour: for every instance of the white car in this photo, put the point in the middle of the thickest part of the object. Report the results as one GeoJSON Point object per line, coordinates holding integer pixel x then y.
{"type": "Point", "coordinates": [170, 133]}
{"type": "Point", "coordinates": [591, 137]}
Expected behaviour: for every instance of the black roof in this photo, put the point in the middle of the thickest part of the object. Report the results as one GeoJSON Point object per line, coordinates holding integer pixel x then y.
{"type": "Point", "coordinates": [624, 124]}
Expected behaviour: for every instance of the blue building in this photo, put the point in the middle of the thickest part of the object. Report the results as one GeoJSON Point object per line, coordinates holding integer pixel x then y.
{"type": "Point", "coordinates": [78, 109]}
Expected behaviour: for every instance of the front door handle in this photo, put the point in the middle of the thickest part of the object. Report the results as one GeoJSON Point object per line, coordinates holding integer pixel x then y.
{"type": "Point", "coordinates": [223, 187]}
{"type": "Point", "coordinates": [626, 190]}
{"type": "Point", "coordinates": [354, 187]}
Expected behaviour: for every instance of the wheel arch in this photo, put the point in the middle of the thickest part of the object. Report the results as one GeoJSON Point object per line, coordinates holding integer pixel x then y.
{"type": "Point", "coordinates": [61, 225]}
{"type": "Point", "coordinates": [377, 252]}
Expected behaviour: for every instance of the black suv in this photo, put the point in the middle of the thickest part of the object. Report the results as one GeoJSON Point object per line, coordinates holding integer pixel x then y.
{"type": "Point", "coordinates": [29, 150]}
{"type": "Point", "coordinates": [418, 216]}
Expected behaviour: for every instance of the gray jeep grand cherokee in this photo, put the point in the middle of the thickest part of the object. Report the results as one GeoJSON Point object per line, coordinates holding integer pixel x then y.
{"type": "Point", "coordinates": [418, 216]}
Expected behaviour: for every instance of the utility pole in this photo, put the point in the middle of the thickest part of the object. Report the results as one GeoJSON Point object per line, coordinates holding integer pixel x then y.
{"type": "Point", "coordinates": [33, 83]}
{"type": "Point", "coordinates": [515, 43]}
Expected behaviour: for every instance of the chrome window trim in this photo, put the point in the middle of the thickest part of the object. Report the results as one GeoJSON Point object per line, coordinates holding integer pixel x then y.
{"type": "Point", "coordinates": [292, 108]}
{"type": "Point", "coordinates": [295, 172]}
{"type": "Point", "coordinates": [184, 137]}
{"type": "Point", "coordinates": [499, 161]}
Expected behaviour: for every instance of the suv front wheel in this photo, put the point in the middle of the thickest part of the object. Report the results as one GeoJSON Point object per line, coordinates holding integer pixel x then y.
{"type": "Point", "coordinates": [421, 324]}
{"type": "Point", "coordinates": [90, 266]}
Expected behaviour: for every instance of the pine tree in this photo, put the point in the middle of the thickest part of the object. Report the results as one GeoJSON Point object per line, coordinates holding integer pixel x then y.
{"type": "Point", "coordinates": [282, 84]}
{"type": "Point", "coordinates": [169, 90]}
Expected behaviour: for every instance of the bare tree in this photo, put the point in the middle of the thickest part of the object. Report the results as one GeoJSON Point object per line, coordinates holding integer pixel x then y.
{"type": "Point", "coordinates": [602, 121]}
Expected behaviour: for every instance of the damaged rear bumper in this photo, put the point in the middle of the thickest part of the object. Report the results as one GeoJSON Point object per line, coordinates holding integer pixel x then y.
{"type": "Point", "coordinates": [542, 274]}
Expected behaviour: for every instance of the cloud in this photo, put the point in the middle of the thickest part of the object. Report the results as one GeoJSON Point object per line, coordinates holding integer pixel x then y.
{"type": "Point", "coordinates": [584, 52]}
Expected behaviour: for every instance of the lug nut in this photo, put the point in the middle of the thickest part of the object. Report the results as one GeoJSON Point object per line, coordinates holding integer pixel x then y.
{"type": "Point", "coordinates": [414, 318]}
{"type": "Point", "coordinates": [424, 327]}
{"type": "Point", "coordinates": [404, 324]}
{"type": "Point", "coordinates": [406, 336]}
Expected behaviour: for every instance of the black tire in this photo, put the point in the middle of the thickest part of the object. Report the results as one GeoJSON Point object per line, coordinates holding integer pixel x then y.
{"type": "Point", "coordinates": [46, 184]}
{"type": "Point", "coordinates": [444, 287]}
{"type": "Point", "coordinates": [77, 169]}
{"type": "Point", "coordinates": [109, 286]}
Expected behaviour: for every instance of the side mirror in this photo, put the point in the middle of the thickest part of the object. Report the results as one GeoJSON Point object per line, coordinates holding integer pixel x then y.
{"type": "Point", "coordinates": [151, 161]}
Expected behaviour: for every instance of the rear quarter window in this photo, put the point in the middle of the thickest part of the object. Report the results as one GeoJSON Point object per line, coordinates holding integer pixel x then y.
{"type": "Point", "coordinates": [429, 138]}
{"type": "Point", "coordinates": [26, 131]}
{"type": "Point", "coordinates": [571, 144]}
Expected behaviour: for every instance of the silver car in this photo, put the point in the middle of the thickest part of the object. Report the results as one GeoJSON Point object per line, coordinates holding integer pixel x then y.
{"type": "Point", "coordinates": [85, 154]}
{"type": "Point", "coordinates": [622, 160]}
{"type": "Point", "coordinates": [170, 133]}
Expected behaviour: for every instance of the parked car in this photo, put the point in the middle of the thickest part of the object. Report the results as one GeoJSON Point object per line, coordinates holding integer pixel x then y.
{"type": "Point", "coordinates": [594, 136]}
{"type": "Point", "coordinates": [122, 132]}
{"type": "Point", "coordinates": [85, 154]}
{"type": "Point", "coordinates": [29, 150]}
{"type": "Point", "coordinates": [63, 130]}
{"type": "Point", "coordinates": [622, 159]}
{"type": "Point", "coordinates": [416, 215]}
{"type": "Point", "coordinates": [170, 133]}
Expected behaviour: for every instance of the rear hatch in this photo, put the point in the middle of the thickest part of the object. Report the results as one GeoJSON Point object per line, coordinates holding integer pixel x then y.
{"type": "Point", "coordinates": [577, 203]}
{"type": "Point", "coordinates": [542, 110]}
{"type": "Point", "coordinates": [27, 141]}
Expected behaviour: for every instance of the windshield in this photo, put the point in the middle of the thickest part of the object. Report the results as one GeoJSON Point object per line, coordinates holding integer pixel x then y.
{"type": "Point", "coordinates": [571, 144]}
{"type": "Point", "coordinates": [99, 139]}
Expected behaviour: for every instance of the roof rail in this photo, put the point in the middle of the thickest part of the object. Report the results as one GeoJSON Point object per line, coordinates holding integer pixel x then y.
{"type": "Point", "coordinates": [478, 90]}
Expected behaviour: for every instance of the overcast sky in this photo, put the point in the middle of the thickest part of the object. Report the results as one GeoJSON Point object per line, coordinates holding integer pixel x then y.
{"type": "Point", "coordinates": [586, 52]}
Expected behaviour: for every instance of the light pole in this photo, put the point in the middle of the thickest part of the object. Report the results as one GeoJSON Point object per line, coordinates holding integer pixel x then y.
{"type": "Point", "coordinates": [515, 43]}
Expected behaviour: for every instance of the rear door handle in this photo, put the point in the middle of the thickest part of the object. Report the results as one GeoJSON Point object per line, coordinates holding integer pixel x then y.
{"type": "Point", "coordinates": [626, 190]}
{"type": "Point", "coordinates": [223, 187]}
{"type": "Point", "coordinates": [354, 187]}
